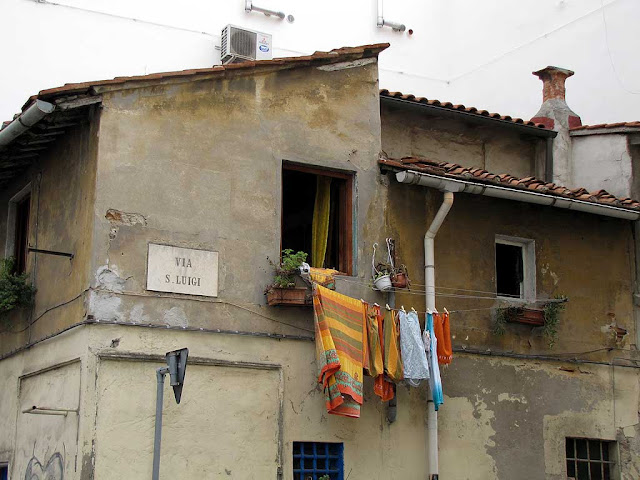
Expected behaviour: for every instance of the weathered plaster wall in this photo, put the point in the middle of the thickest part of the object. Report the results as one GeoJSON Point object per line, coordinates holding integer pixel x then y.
{"type": "Point", "coordinates": [61, 218]}
{"type": "Point", "coordinates": [406, 132]}
{"type": "Point", "coordinates": [602, 162]}
{"type": "Point", "coordinates": [207, 434]}
{"type": "Point", "coordinates": [510, 427]}
{"type": "Point", "coordinates": [199, 164]}
{"type": "Point", "coordinates": [574, 253]}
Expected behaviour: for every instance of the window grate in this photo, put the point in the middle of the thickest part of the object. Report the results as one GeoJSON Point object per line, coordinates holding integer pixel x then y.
{"type": "Point", "coordinates": [589, 459]}
{"type": "Point", "coordinates": [312, 460]}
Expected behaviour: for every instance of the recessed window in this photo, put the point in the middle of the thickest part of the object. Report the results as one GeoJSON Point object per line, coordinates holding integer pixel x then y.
{"type": "Point", "coordinates": [17, 240]}
{"type": "Point", "coordinates": [312, 460]}
{"type": "Point", "coordinates": [515, 268]}
{"type": "Point", "coordinates": [317, 215]}
{"type": "Point", "coordinates": [590, 459]}
{"type": "Point", "coordinates": [4, 472]}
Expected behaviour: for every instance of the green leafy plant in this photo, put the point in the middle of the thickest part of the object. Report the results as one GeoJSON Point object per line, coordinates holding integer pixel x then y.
{"type": "Point", "coordinates": [287, 268]}
{"type": "Point", "coordinates": [325, 477]}
{"type": "Point", "coordinates": [14, 289]}
{"type": "Point", "coordinates": [552, 311]}
{"type": "Point", "coordinates": [503, 315]}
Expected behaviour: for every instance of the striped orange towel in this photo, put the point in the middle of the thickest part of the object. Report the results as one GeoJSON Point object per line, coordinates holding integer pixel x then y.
{"type": "Point", "coordinates": [339, 326]}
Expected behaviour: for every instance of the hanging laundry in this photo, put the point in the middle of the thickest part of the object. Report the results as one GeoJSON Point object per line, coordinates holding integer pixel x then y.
{"type": "Point", "coordinates": [392, 357]}
{"type": "Point", "coordinates": [375, 332]}
{"type": "Point", "coordinates": [339, 326]}
{"type": "Point", "coordinates": [323, 276]}
{"type": "Point", "coordinates": [373, 356]}
{"type": "Point", "coordinates": [431, 347]}
{"type": "Point", "coordinates": [414, 356]}
{"type": "Point", "coordinates": [443, 334]}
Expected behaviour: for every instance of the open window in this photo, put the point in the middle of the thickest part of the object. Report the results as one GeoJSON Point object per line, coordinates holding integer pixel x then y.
{"type": "Point", "coordinates": [17, 241]}
{"type": "Point", "coordinates": [317, 215]}
{"type": "Point", "coordinates": [515, 268]}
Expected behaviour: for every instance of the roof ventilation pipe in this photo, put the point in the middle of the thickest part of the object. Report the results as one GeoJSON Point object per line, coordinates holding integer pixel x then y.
{"type": "Point", "coordinates": [430, 287]}
{"type": "Point", "coordinates": [27, 119]}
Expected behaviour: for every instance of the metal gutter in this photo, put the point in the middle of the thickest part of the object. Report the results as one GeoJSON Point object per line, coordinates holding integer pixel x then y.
{"type": "Point", "coordinates": [463, 186]}
{"type": "Point", "coordinates": [27, 119]}
{"type": "Point", "coordinates": [471, 117]}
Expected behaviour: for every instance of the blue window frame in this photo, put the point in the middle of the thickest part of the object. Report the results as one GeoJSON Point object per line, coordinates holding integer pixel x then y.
{"type": "Point", "coordinates": [312, 460]}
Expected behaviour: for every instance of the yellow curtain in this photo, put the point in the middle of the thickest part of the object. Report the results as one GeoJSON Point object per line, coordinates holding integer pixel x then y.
{"type": "Point", "coordinates": [320, 225]}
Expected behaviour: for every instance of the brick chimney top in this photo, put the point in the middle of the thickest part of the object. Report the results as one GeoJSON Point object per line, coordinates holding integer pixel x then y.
{"type": "Point", "coordinates": [553, 79]}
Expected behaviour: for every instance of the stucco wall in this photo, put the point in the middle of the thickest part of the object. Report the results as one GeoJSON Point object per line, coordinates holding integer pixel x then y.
{"type": "Point", "coordinates": [406, 132]}
{"type": "Point", "coordinates": [61, 219]}
{"type": "Point", "coordinates": [602, 161]}
{"type": "Point", "coordinates": [200, 165]}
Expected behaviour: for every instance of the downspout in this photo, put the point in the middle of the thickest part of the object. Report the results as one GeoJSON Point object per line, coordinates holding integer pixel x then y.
{"type": "Point", "coordinates": [27, 119]}
{"type": "Point", "coordinates": [430, 284]}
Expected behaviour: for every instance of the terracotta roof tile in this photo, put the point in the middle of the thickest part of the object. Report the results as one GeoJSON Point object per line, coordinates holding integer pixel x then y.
{"type": "Point", "coordinates": [460, 108]}
{"type": "Point", "coordinates": [321, 58]}
{"type": "Point", "coordinates": [455, 171]}
{"type": "Point", "coordinates": [601, 126]}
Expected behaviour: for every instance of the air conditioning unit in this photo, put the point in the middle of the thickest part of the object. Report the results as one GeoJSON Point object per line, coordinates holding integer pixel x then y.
{"type": "Point", "coordinates": [239, 45]}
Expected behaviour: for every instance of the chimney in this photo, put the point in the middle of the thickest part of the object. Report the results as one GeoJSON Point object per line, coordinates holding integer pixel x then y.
{"type": "Point", "coordinates": [556, 114]}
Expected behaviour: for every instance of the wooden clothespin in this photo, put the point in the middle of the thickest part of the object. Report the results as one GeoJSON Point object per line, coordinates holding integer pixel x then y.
{"type": "Point", "coordinates": [413, 310]}
{"type": "Point", "coordinates": [388, 307]}
{"type": "Point", "coordinates": [402, 308]}
{"type": "Point", "coordinates": [446, 311]}
{"type": "Point", "coordinates": [376, 305]}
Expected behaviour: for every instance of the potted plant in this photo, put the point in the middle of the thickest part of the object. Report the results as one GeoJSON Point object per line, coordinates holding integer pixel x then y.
{"type": "Point", "coordinates": [400, 277]}
{"type": "Point", "coordinates": [382, 277]}
{"type": "Point", "coordinates": [546, 317]}
{"type": "Point", "coordinates": [283, 290]}
{"type": "Point", "coordinates": [15, 292]}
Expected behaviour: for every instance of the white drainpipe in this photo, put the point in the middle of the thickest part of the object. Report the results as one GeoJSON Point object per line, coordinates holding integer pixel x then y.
{"type": "Point", "coordinates": [430, 283]}
{"type": "Point", "coordinates": [27, 119]}
{"type": "Point", "coordinates": [464, 186]}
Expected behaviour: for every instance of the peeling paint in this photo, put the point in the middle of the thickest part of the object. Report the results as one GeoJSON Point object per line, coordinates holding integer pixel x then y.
{"type": "Point", "coordinates": [117, 217]}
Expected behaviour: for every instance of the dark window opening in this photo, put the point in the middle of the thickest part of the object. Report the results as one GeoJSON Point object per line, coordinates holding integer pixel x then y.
{"type": "Point", "coordinates": [590, 459]}
{"type": "Point", "coordinates": [312, 460]}
{"type": "Point", "coordinates": [21, 241]}
{"type": "Point", "coordinates": [4, 472]}
{"type": "Point", "coordinates": [313, 195]}
{"type": "Point", "coordinates": [509, 270]}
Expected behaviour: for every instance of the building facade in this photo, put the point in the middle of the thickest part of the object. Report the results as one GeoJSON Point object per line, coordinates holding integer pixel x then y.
{"type": "Point", "coordinates": [216, 166]}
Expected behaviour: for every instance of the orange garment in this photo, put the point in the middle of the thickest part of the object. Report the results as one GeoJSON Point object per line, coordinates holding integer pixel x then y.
{"type": "Point", "coordinates": [381, 387]}
{"type": "Point", "coordinates": [443, 334]}
{"type": "Point", "coordinates": [392, 358]}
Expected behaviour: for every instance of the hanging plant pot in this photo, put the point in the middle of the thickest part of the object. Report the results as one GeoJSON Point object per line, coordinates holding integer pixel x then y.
{"type": "Point", "coordinates": [383, 283]}
{"type": "Point", "coordinates": [400, 280]}
{"type": "Point", "coordinates": [527, 316]}
{"type": "Point", "coordinates": [288, 296]}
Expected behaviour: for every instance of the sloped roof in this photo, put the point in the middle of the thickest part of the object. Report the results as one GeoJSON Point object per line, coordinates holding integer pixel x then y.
{"type": "Point", "coordinates": [478, 175]}
{"type": "Point", "coordinates": [460, 108]}
{"type": "Point", "coordinates": [317, 58]}
{"type": "Point", "coordinates": [607, 127]}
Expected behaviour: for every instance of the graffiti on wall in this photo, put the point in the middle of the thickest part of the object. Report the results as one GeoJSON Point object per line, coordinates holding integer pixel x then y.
{"type": "Point", "coordinates": [52, 470]}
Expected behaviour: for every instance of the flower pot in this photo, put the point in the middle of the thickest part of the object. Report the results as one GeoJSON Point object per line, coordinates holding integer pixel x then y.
{"type": "Point", "coordinates": [528, 316]}
{"type": "Point", "coordinates": [289, 296]}
{"type": "Point", "coordinates": [383, 283]}
{"type": "Point", "coordinates": [400, 280]}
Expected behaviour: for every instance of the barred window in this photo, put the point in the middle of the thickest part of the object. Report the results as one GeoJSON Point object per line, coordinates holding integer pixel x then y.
{"type": "Point", "coordinates": [589, 459]}
{"type": "Point", "coordinates": [314, 460]}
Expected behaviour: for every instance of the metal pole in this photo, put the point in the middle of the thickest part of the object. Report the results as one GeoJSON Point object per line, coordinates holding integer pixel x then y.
{"type": "Point", "coordinates": [160, 373]}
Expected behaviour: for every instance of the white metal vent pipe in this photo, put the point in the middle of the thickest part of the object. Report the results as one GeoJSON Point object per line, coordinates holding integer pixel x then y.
{"type": "Point", "coordinates": [27, 119]}
{"type": "Point", "coordinates": [454, 185]}
{"type": "Point", "coordinates": [430, 288]}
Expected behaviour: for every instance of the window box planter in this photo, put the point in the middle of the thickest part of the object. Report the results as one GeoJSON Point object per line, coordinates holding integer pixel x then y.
{"type": "Point", "coordinates": [527, 316]}
{"type": "Point", "coordinates": [296, 296]}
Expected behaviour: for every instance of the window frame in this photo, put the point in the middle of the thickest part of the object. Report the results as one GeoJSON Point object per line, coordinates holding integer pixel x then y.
{"type": "Point", "coordinates": [5, 465]}
{"type": "Point", "coordinates": [12, 217]}
{"type": "Point", "coordinates": [346, 212]}
{"type": "Point", "coordinates": [612, 450]}
{"type": "Point", "coordinates": [303, 472]}
{"type": "Point", "coordinates": [528, 284]}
